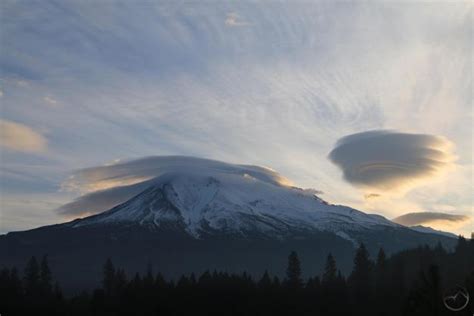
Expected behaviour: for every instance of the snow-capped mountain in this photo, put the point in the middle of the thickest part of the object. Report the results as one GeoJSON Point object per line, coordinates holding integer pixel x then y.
{"type": "Point", "coordinates": [192, 214]}
{"type": "Point", "coordinates": [238, 201]}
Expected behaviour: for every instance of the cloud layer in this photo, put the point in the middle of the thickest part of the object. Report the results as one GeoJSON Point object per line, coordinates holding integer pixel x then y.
{"type": "Point", "coordinates": [388, 160]}
{"type": "Point", "coordinates": [429, 218]}
{"type": "Point", "coordinates": [112, 184]}
{"type": "Point", "coordinates": [19, 137]}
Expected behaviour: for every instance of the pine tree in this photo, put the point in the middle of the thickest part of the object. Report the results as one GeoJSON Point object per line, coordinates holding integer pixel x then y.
{"type": "Point", "coordinates": [293, 271]}
{"type": "Point", "coordinates": [360, 278]}
{"type": "Point", "coordinates": [397, 289]}
{"type": "Point", "coordinates": [265, 282]}
{"type": "Point", "coordinates": [276, 282]}
{"type": "Point", "coordinates": [46, 277]}
{"type": "Point", "coordinates": [183, 282]}
{"type": "Point", "coordinates": [149, 279]}
{"type": "Point", "coordinates": [464, 255]}
{"type": "Point", "coordinates": [205, 279]}
{"type": "Point", "coordinates": [381, 260]}
{"type": "Point", "coordinates": [31, 277]}
{"type": "Point", "coordinates": [15, 280]}
{"type": "Point", "coordinates": [58, 294]}
{"type": "Point", "coordinates": [381, 282]}
{"type": "Point", "coordinates": [330, 290]}
{"type": "Point", "coordinates": [470, 258]}
{"type": "Point", "coordinates": [330, 270]}
{"type": "Point", "coordinates": [462, 245]}
{"type": "Point", "coordinates": [5, 287]}
{"type": "Point", "coordinates": [380, 269]}
{"type": "Point", "coordinates": [192, 279]}
{"type": "Point", "coordinates": [108, 281]}
{"type": "Point", "coordinates": [160, 282]}
{"type": "Point", "coordinates": [313, 284]}
{"type": "Point", "coordinates": [120, 280]}
{"type": "Point", "coordinates": [425, 298]}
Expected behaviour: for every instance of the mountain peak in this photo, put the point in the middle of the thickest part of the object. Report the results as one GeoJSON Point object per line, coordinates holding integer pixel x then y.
{"type": "Point", "coordinates": [232, 201]}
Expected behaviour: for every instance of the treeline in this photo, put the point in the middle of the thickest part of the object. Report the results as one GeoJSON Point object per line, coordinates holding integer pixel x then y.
{"type": "Point", "coordinates": [408, 283]}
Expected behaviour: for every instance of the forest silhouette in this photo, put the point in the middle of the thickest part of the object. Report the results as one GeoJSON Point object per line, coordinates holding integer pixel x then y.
{"type": "Point", "coordinates": [411, 282]}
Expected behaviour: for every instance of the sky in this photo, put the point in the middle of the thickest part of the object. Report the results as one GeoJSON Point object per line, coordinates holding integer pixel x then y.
{"type": "Point", "coordinates": [369, 103]}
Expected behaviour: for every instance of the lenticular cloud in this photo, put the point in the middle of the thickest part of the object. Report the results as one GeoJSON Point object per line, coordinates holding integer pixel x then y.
{"type": "Point", "coordinates": [104, 187]}
{"type": "Point", "coordinates": [389, 160]}
{"type": "Point", "coordinates": [424, 218]}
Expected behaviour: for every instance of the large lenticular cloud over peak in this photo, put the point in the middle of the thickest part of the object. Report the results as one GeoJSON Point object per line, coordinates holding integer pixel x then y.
{"type": "Point", "coordinates": [106, 186]}
{"type": "Point", "coordinates": [145, 168]}
{"type": "Point", "coordinates": [390, 160]}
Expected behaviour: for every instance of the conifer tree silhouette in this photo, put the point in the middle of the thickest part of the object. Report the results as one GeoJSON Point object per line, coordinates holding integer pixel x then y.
{"type": "Point", "coordinates": [293, 271]}
{"type": "Point", "coordinates": [360, 280]}
{"type": "Point", "coordinates": [31, 277]}
{"type": "Point", "coordinates": [46, 277]}
{"type": "Point", "coordinates": [108, 281]}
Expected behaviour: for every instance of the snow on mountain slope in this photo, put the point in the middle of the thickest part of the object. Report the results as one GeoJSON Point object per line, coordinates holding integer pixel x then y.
{"type": "Point", "coordinates": [201, 198]}
{"type": "Point", "coordinates": [429, 230]}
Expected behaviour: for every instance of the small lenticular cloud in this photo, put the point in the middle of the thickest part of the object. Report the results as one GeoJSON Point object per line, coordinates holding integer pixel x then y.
{"type": "Point", "coordinates": [386, 160]}
{"type": "Point", "coordinates": [371, 196]}
{"type": "Point", "coordinates": [429, 218]}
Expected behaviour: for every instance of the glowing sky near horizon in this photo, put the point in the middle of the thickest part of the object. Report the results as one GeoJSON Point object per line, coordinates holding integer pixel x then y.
{"type": "Point", "coordinates": [276, 84]}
